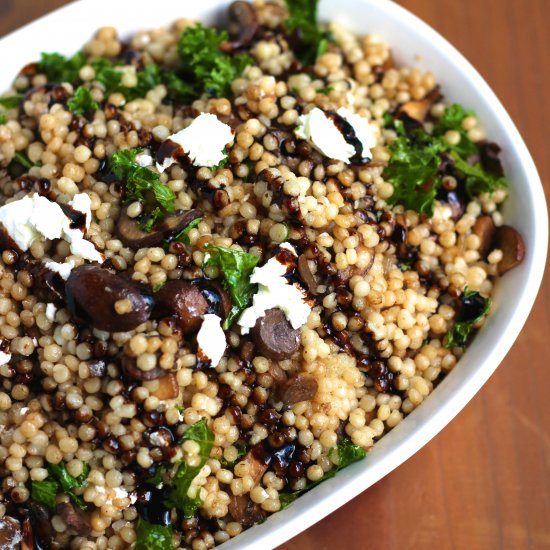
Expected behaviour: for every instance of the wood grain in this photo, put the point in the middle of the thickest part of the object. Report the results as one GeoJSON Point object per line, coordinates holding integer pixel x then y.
{"type": "Point", "coordinates": [484, 482]}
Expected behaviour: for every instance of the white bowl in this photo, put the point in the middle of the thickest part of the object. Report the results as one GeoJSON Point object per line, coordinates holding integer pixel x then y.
{"type": "Point", "coordinates": [415, 44]}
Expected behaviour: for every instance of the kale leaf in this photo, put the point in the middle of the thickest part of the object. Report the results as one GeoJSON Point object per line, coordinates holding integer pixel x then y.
{"type": "Point", "coordinates": [150, 536]}
{"type": "Point", "coordinates": [59, 68]}
{"type": "Point", "coordinates": [302, 23]}
{"type": "Point", "coordinates": [67, 482]}
{"type": "Point", "coordinates": [342, 455]}
{"type": "Point", "coordinates": [416, 158]}
{"type": "Point", "coordinates": [183, 235]}
{"type": "Point", "coordinates": [185, 474]}
{"type": "Point", "coordinates": [82, 102]}
{"type": "Point", "coordinates": [11, 102]}
{"type": "Point", "coordinates": [236, 268]}
{"type": "Point", "coordinates": [139, 180]}
{"type": "Point", "coordinates": [44, 492]}
{"type": "Point", "coordinates": [205, 64]}
{"type": "Point", "coordinates": [474, 308]}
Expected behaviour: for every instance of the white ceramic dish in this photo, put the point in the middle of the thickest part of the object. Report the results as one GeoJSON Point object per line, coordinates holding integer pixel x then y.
{"type": "Point", "coordinates": [68, 28]}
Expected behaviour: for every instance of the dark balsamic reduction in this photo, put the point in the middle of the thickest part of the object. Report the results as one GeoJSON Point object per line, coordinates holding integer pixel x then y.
{"type": "Point", "coordinates": [150, 505]}
{"type": "Point", "coordinates": [472, 307]}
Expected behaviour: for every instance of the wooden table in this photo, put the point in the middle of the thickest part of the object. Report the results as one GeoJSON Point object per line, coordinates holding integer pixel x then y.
{"type": "Point", "coordinates": [484, 482]}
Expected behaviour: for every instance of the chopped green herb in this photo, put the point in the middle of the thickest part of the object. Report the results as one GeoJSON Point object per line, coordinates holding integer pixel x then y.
{"type": "Point", "coordinates": [342, 455]}
{"type": "Point", "coordinates": [11, 102]}
{"type": "Point", "coordinates": [59, 68]}
{"type": "Point", "coordinates": [155, 216]}
{"type": "Point", "coordinates": [185, 474]}
{"type": "Point", "coordinates": [44, 492]}
{"type": "Point", "coordinates": [236, 268]}
{"type": "Point", "coordinates": [150, 536]}
{"type": "Point", "coordinates": [158, 286]}
{"type": "Point", "coordinates": [21, 159]}
{"type": "Point", "coordinates": [157, 480]}
{"type": "Point", "coordinates": [82, 102]}
{"type": "Point", "coordinates": [205, 64]}
{"type": "Point", "coordinates": [139, 180]}
{"type": "Point", "coordinates": [183, 235]}
{"type": "Point", "coordinates": [179, 408]}
{"type": "Point", "coordinates": [325, 91]}
{"type": "Point", "coordinates": [474, 308]}
{"type": "Point", "coordinates": [3, 119]}
{"type": "Point", "coordinates": [178, 90]}
{"type": "Point", "coordinates": [477, 179]}
{"type": "Point", "coordinates": [413, 169]}
{"type": "Point", "coordinates": [67, 482]}
{"type": "Point", "coordinates": [302, 22]}
{"type": "Point", "coordinates": [241, 451]}
{"type": "Point", "coordinates": [405, 265]}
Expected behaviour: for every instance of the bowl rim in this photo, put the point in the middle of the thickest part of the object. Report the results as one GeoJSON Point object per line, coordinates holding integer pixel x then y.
{"type": "Point", "coordinates": [396, 446]}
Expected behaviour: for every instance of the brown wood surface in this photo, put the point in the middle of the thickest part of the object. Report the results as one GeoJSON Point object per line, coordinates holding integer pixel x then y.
{"type": "Point", "coordinates": [484, 482]}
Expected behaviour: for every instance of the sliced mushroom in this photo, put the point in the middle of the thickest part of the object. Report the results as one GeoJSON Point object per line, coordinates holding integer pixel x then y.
{"type": "Point", "coordinates": [344, 275]}
{"type": "Point", "coordinates": [43, 531]}
{"type": "Point", "coordinates": [73, 519]}
{"type": "Point", "coordinates": [511, 243]}
{"type": "Point", "coordinates": [307, 276]}
{"type": "Point", "coordinates": [257, 461]}
{"type": "Point", "coordinates": [484, 228]}
{"type": "Point", "coordinates": [133, 237]}
{"type": "Point", "coordinates": [168, 388]}
{"type": "Point", "coordinates": [129, 366]}
{"type": "Point", "coordinates": [274, 336]}
{"type": "Point", "coordinates": [419, 109]}
{"type": "Point", "coordinates": [243, 25]}
{"type": "Point", "coordinates": [301, 387]}
{"type": "Point", "coordinates": [243, 510]}
{"type": "Point", "coordinates": [184, 301]}
{"type": "Point", "coordinates": [91, 293]}
{"type": "Point", "coordinates": [219, 301]}
{"type": "Point", "coordinates": [10, 533]}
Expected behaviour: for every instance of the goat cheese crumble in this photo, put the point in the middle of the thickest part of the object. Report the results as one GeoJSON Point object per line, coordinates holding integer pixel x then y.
{"type": "Point", "coordinates": [4, 358]}
{"type": "Point", "coordinates": [211, 340]}
{"type": "Point", "coordinates": [204, 141]}
{"type": "Point", "coordinates": [63, 269]}
{"type": "Point", "coordinates": [321, 131]}
{"type": "Point", "coordinates": [34, 218]}
{"type": "Point", "coordinates": [50, 312]}
{"type": "Point", "coordinates": [275, 291]}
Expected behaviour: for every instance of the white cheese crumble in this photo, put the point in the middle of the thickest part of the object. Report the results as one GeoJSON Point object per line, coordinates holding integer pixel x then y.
{"type": "Point", "coordinates": [144, 160]}
{"type": "Point", "coordinates": [211, 339]}
{"type": "Point", "coordinates": [275, 291]}
{"type": "Point", "coordinates": [204, 141]}
{"type": "Point", "coordinates": [324, 135]}
{"type": "Point", "coordinates": [63, 269]}
{"type": "Point", "coordinates": [50, 312]}
{"type": "Point", "coordinates": [4, 358]}
{"type": "Point", "coordinates": [33, 218]}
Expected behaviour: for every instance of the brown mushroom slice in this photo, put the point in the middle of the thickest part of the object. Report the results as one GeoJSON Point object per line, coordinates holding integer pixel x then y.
{"type": "Point", "coordinates": [10, 533]}
{"type": "Point", "coordinates": [243, 25]}
{"type": "Point", "coordinates": [301, 387]}
{"type": "Point", "coordinates": [168, 387]}
{"type": "Point", "coordinates": [274, 336]}
{"type": "Point", "coordinates": [419, 109]}
{"type": "Point", "coordinates": [219, 301]}
{"type": "Point", "coordinates": [43, 531]}
{"type": "Point", "coordinates": [73, 519]}
{"type": "Point", "coordinates": [184, 301]}
{"type": "Point", "coordinates": [257, 461]}
{"type": "Point", "coordinates": [484, 228]}
{"type": "Point", "coordinates": [243, 510]}
{"type": "Point", "coordinates": [91, 293]}
{"type": "Point", "coordinates": [511, 243]}
{"type": "Point", "coordinates": [306, 274]}
{"type": "Point", "coordinates": [133, 237]}
{"type": "Point", "coordinates": [131, 369]}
